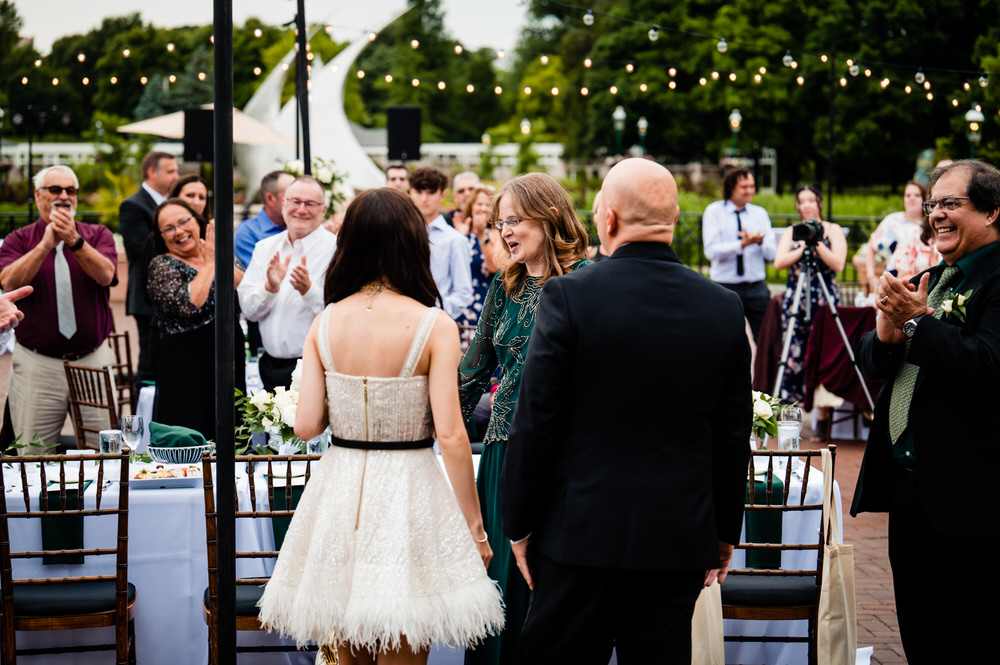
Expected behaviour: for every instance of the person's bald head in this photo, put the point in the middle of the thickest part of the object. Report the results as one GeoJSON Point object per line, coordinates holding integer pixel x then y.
{"type": "Point", "coordinates": [638, 202]}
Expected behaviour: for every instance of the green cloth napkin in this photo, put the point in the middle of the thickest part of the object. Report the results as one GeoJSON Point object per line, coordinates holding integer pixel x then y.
{"type": "Point", "coordinates": [280, 524]}
{"type": "Point", "coordinates": [64, 532]}
{"type": "Point", "coordinates": [174, 436]}
{"type": "Point", "coordinates": [764, 527]}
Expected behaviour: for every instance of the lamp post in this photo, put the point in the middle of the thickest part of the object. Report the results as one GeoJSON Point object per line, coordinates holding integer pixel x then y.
{"type": "Point", "coordinates": [735, 123]}
{"type": "Point", "coordinates": [974, 119]}
{"type": "Point", "coordinates": [643, 126]}
{"type": "Point", "coordinates": [618, 116]}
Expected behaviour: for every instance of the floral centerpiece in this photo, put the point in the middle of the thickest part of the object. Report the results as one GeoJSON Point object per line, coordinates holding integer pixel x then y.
{"type": "Point", "coordinates": [271, 413]}
{"type": "Point", "coordinates": [765, 415]}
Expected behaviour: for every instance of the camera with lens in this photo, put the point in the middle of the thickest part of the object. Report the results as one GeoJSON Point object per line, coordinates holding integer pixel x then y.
{"type": "Point", "coordinates": [809, 232]}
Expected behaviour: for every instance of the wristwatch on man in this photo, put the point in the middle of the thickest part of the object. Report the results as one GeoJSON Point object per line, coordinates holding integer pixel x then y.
{"type": "Point", "coordinates": [910, 326]}
{"type": "Point", "coordinates": [78, 245]}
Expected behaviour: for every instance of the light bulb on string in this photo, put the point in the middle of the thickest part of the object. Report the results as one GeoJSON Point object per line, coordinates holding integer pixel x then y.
{"type": "Point", "coordinates": [672, 85]}
{"type": "Point", "coordinates": [930, 96]}
{"type": "Point", "coordinates": [788, 59]}
{"type": "Point", "coordinates": [966, 86]}
{"type": "Point", "coordinates": [722, 46]}
{"type": "Point", "coordinates": [587, 62]}
{"type": "Point", "coordinates": [732, 76]}
{"type": "Point", "coordinates": [854, 69]}
{"type": "Point", "coordinates": [672, 71]}
{"type": "Point", "coordinates": [415, 83]}
{"type": "Point", "coordinates": [715, 76]}
{"type": "Point", "coordinates": [544, 59]}
{"type": "Point", "coordinates": [613, 90]}
{"type": "Point", "coordinates": [984, 80]}
{"type": "Point", "coordinates": [470, 88]}
{"type": "Point", "coordinates": [588, 18]}
{"type": "Point", "coordinates": [441, 85]}
{"type": "Point", "coordinates": [498, 90]}
{"type": "Point", "coordinates": [920, 77]}
{"type": "Point", "coordinates": [885, 82]}
{"type": "Point", "coordinates": [654, 33]}
{"type": "Point", "coordinates": [843, 82]}
{"type": "Point", "coordinates": [458, 49]}
{"type": "Point", "coordinates": [388, 78]}
{"type": "Point", "coordinates": [800, 80]}
{"type": "Point", "coordinates": [81, 57]}
{"type": "Point", "coordinates": [927, 85]}
{"type": "Point", "coordinates": [908, 89]}
{"type": "Point", "coordinates": [643, 87]}
{"type": "Point", "coordinates": [584, 91]}
{"type": "Point", "coordinates": [630, 68]}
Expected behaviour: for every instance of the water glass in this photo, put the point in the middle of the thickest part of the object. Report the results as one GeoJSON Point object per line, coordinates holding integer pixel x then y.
{"type": "Point", "coordinates": [110, 443]}
{"type": "Point", "coordinates": [789, 428]}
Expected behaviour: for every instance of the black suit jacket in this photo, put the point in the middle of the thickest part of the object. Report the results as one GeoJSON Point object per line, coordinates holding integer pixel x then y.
{"type": "Point", "coordinates": [630, 442]}
{"type": "Point", "coordinates": [135, 221]}
{"type": "Point", "coordinates": [953, 414]}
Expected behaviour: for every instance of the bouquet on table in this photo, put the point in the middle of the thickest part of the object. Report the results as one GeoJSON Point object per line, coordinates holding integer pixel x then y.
{"type": "Point", "coordinates": [765, 415]}
{"type": "Point", "coordinates": [272, 414]}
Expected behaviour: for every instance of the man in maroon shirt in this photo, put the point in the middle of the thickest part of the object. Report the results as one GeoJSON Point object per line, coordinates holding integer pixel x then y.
{"type": "Point", "coordinates": [52, 254]}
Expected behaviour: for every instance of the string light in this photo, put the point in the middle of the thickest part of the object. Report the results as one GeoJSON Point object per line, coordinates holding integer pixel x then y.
{"type": "Point", "coordinates": [38, 63]}
{"type": "Point", "coordinates": [588, 18]}
{"type": "Point", "coordinates": [672, 85]}
{"type": "Point", "coordinates": [501, 54]}
{"type": "Point", "coordinates": [414, 43]}
{"type": "Point", "coordinates": [908, 89]}
{"type": "Point", "coordinates": [843, 82]}
{"type": "Point", "coordinates": [371, 36]}
{"type": "Point", "coordinates": [555, 91]}
{"type": "Point", "coordinates": [920, 77]}
{"type": "Point", "coordinates": [715, 76]}
{"type": "Point", "coordinates": [800, 79]}
{"type": "Point", "coordinates": [544, 59]}
{"type": "Point", "coordinates": [788, 59]}
{"type": "Point", "coordinates": [498, 90]}
{"type": "Point", "coordinates": [257, 71]}
{"type": "Point", "coordinates": [722, 46]}
{"type": "Point", "coordinates": [823, 58]}
{"type": "Point", "coordinates": [81, 56]}
{"type": "Point", "coordinates": [630, 68]}
{"type": "Point", "coordinates": [143, 80]}
{"type": "Point", "coordinates": [458, 49]}
{"type": "Point", "coordinates": [854, 69]}
{"type": "Point", "coordinates": [388, 78]}
{"type": "Point", "coordinates": [584, 91]}
{"type": "Point", "coordinates": [86, 80]}
{"type": "Point", "coordinates": [172, 78]}
{"type": "Point", "coordinates": [702, 81]}
{"type": "Point", "coordinates": [114, 80]}
{"type": "Point", "coordinates": [930, 96]}
{"type": "Point", "coordinates": [55, 80]}
{"type": "Point", "coordinates": [643, 87]}
{"type": "Point", "coordinates": [757, 78]}
{"type": "Point", "coordinates": [441, 85]}
{"type": "Point", "coordinates": [470, 88]}
{"type": "Point", "coordinates": [984, 80]}
{"type": "Point", "coordinates": [415, 82]}
{"type": "Point", "coordinates": [527, 89]}
{"type": "Point", "coordinates": [672, 71]}
{"type": "Point", "coordinates": [170, 47]}
{"type": "Point", "coordinates": [732, 76]}
{"type": "Point", "coordinates": [587, 62]}
{"type": "Point", "coordinates": [654, 33]}
{"type": "Point", "coordinates": [24, 80]}
{"type": "Point", "coordinates": [361, 73]}
{"type": "Point", "coordinates": [258, 33]}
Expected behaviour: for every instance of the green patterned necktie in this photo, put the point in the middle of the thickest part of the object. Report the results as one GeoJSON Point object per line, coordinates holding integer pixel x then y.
{"type": "Point", "coordinates": [906, 379]}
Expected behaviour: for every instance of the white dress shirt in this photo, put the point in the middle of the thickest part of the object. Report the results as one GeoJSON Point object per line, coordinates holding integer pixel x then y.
{"type": "Point", "coordinates": [285, 316]}
{"type": "Point", "coordinates": [157, 197]}
{"type": "Point", "coordinates": [451, 266]}
{"type": "Point", "coordinates": [723, 244]}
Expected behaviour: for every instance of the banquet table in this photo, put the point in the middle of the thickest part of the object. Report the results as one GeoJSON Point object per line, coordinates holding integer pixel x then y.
{"type": "Point", "coordinates": [800, 527]}
{"type": "Point", "coordinates": [168, 566]}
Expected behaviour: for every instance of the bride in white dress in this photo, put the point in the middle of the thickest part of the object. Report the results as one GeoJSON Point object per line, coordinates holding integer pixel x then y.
{"type": "Point", "coordinates": [383, 557]}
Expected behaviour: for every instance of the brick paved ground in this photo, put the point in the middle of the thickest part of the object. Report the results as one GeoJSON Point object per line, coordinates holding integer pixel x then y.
{"type": "Point", "coordinates": [873, 580]}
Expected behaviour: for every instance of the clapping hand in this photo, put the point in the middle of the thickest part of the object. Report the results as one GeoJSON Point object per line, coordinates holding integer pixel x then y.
{"type": "Point", "coordinates": [10, 315]}
{"type": "Point", "coordinates": [276, 271]}
{"type": "Point", "coordinates": [300, 277]}
{"type": "Point", "coordinates": [751, 238]}
{"type": "Point", "coordinates": [62, 224]}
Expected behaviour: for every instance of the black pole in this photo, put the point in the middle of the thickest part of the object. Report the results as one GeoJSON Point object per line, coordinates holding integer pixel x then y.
{"type": "Point", "coordinates": [302, 84]}
{"type": "Point", "coordinates": [28, 118]}
{"type": "Point", "coordinates": [829, 159]}
{"type": "Point", "coordinates": [225, 321]}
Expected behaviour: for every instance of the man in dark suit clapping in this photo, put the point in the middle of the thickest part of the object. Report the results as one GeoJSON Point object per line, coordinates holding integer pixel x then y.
{"type": "Point", "coordinates": [624, 479]}
{"type": "Point", "coordinates": [934, 446]}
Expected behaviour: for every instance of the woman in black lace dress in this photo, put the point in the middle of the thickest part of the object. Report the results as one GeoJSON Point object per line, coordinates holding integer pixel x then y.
{"type": "Point", "coordinates": [181, 283]}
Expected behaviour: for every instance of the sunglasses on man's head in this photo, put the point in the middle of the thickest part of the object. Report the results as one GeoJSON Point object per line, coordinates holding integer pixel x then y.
{"type": "Point", "coordinates": [56, 190]}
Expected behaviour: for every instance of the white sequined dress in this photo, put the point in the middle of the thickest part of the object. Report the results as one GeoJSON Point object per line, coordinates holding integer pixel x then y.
{"type": "Point", "coordinates": [378, 548]}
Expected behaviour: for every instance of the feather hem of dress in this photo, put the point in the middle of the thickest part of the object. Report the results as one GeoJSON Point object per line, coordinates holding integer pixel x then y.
{"type": "Point", "coordinates": [460, 617]}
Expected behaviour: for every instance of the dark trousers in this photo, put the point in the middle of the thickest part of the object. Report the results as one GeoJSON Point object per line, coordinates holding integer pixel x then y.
{"type": "Point", "coordinates": [755, 296]}
{"type": "Point", "coordinates": [943, 582]}
{"type": "Point", "coordinates": [578, 615]}
{"type": "Point", "coordinates": [275, 371]}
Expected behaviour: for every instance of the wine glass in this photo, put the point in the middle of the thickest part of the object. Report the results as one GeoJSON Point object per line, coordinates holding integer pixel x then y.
{"type": "Point", "coordinates": [131, 431]}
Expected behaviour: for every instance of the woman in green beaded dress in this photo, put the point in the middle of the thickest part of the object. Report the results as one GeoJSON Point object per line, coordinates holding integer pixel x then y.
{"type": "Point", "coordinates": [542, 238]}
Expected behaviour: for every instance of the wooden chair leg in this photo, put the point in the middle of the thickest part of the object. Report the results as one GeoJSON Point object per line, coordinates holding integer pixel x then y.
{"type": "Point", "coordinates": [131, 642]}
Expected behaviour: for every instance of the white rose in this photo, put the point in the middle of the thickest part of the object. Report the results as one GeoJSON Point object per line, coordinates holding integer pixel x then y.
{"type": "Point", "coordinates": [297, 374]}
{"type": "Point", "coordinates": [266, 422]}
{"type": "Point", "coordinates": [756, 395]}
{"type": "Point", "coordinates": [960, 299]}
{"type": "Point", "coordinates": [288, 415]}
{"type": "Point", "coordinates": [324, 174]}
{"type": "Point", "coordinates": [261, 399]}
{"type": "Point", "coordinates": [296, 166]}
{"type": "Point", "coordinates": [946, 306]}
{"type": "Point", "coordinates": [762, 409]}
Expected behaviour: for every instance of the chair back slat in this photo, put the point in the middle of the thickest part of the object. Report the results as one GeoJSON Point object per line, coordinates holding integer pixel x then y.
{"type": "Point", "coordinates": [124, 373]}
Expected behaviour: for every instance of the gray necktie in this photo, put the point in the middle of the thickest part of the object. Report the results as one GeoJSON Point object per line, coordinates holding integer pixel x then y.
{"type": "Point", "coordinates": [64, 295]}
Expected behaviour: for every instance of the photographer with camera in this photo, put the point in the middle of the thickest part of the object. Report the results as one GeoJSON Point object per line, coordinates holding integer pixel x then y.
{"type": "Point", "coordinates": [827, 243]}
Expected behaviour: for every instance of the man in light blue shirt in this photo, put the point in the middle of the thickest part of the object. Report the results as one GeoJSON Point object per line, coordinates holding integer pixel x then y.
{"type": "Point", "coordinates": [451, 259]}
{"type": "Point", "coordinates": [738, 240]}
{"type": "Point", "coordinates": [269, 221]}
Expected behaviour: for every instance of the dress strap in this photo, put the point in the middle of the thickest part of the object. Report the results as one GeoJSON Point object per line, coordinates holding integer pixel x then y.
{"type": "Point", "coordinates": [323, 339]}
{"type": "Point", "coordinates": [419, 341]}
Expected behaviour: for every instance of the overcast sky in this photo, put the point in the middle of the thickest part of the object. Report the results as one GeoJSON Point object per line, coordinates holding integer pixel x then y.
{"type": "Point", "coordinates": [476, 23]}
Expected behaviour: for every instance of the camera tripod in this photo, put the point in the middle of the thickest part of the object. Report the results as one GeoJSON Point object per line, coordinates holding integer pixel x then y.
{"type": "Point", "coordinates": [809, 268]}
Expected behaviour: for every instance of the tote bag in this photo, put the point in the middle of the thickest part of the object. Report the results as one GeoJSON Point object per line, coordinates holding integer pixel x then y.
{"type": "Point", "coordinates": [837, 629]}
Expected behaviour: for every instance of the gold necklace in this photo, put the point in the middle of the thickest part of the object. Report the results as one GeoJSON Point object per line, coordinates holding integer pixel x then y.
{"type": "Point", "coordinates": [372, 289]}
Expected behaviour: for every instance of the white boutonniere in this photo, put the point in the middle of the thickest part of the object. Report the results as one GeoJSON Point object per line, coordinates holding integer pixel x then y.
{"type": "Point", "coordinates": [955, 306]}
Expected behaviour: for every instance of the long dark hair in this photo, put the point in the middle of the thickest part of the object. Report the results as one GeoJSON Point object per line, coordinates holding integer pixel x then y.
{"type": "Point", "coordinates": [383, 238]}
{"type": "Point", "coordinates": [159, 246]}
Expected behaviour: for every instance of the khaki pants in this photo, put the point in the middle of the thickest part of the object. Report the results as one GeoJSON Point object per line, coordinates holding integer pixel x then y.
{"type": "Point", "coordinates": [39, 397]}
